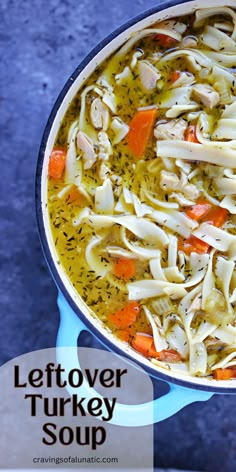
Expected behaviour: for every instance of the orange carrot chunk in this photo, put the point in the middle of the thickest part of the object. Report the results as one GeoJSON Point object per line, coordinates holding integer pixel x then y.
{"type": "Point", "coordinates": [207, 213]}
{"type": "Point", "coordinates": [126, 334]}
{"type": "Point", "coordinates": [74, 195]}
{"type": "Point", "coordinates": [57, 163]}
{"type": "Point", "coordinates": [140, 130]}
{"type": "Point", "coordinates": [198, 211]}
{"type": "Point", "coordinates": [217, 216]}
{"type": "Point", "coordinates": [192, 244]}
{"type": "Point", "coordinates": [126, 316]}
{"type": "Point", "coordinates": [145, 345]}
{"type": "Point", "coordinates": [165, 41]}
{"type": "Point", "coordinates": [175, 75]}
{"type": "Point", "coordinates": [190, 134]}
{"type": "Point", "coordinates": [124, 268]}
{"type": "Point", "coordinates": [224, 374]}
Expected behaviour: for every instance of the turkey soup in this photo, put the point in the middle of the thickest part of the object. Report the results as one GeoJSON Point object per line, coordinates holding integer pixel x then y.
{"type": "Point", "coordinates": [141, 193]}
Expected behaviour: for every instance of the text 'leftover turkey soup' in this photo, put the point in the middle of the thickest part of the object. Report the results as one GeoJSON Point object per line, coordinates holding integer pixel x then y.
{"type": "Point", "coordinates": [141, 193]}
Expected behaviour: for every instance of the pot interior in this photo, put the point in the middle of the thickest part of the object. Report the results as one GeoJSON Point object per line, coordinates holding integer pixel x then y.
{"type": "Point", "coordinates": [101, 53]}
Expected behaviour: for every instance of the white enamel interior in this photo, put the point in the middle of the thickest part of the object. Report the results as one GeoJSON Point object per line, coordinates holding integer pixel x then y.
{"type": "Point", "coordinates": [175, 11]}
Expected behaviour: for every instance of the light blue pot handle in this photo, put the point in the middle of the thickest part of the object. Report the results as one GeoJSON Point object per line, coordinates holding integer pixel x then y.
{"type": "Point", "coordinates": [124, 415]}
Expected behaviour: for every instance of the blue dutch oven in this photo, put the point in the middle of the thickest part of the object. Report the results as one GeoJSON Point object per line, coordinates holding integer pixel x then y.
{"type": "Point", "coordinates": [75, 315]}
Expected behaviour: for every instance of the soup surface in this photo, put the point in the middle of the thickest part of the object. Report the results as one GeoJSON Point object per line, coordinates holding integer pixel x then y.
{"type": "Point", "coordinates": [141, 193]}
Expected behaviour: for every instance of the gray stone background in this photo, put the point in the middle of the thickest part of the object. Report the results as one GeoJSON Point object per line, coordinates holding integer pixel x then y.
{"type": "Point", "coordinates": [41, 43]}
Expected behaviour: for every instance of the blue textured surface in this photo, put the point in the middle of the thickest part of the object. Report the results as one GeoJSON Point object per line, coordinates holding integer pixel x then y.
{"type": "Point", "coordinates": [41, 44]}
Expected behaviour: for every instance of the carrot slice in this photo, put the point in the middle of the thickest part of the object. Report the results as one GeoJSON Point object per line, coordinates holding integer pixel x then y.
{"type": "Point", "coordinates": [126, 316]}
{"type": "Point", "coordinates": [56, 164]}
{"type": "Point", "coordinates": [192, 244]}
{"type": "Point", "coordinates": [196, 212]}
{"type": "Point", "coordinates": [224, 374]}
{"type": "Point", "coordinates": [165, 41]}
{"type": "Point", "coordinates": [73, 195]}
{"type": "Point", "coordinates": [124, 268]}
{"type": "Point", "coordinates": [174, 76]}
{"type": "Point", "coordinates": [126, 334]}
{"type": "Point", "coordinates": [207, 213]}
{"type": "Point", "coordinates": [145, 345]}
{"type": "Point", "coordinates": [190, 134]}
{"type": "Point", "coordinates": [140, 130]}
{"type": "Point", "coordinates": [217, 216]}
